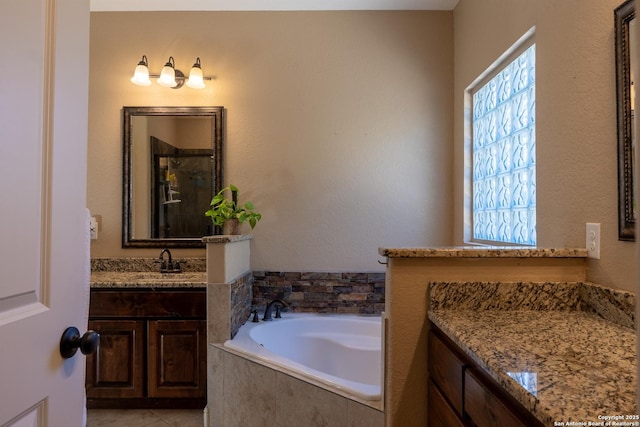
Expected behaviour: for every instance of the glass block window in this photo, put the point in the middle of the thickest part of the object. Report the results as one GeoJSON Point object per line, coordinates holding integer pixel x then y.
{"type": "Point", "coordinates": [504, 154]}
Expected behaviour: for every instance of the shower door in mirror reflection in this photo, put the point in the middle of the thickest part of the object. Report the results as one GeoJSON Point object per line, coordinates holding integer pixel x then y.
{"type": "Point", "coordinates": [181, 188]}
{"type": "Point", "coordinates": [172, 168]}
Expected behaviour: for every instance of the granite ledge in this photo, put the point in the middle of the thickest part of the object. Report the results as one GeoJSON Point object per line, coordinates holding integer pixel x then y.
{"type": "Point", "coordinates": [227, 238]}
{"type": "Point", "coordinates": [613, 305]}
{"type": "Point", "coordinates": [483, 252]}
{"type": "Point", "coordinates": [141, 265]}
{"type": "Point", "coordinates": [147, 280]}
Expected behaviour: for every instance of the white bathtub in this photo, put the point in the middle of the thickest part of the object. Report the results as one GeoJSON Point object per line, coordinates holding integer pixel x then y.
{"type": "Point", "coordinates": [340, 351]}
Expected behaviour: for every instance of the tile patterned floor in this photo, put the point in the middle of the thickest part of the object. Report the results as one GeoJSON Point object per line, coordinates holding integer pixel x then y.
{"type": "Point", "coordinates": [145, 418]}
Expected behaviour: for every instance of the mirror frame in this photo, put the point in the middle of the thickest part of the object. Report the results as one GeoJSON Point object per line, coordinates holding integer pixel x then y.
{"type": "Point", "coordinates": [626, 220]}
{"type": "Point", "coordinates": [217, 145]}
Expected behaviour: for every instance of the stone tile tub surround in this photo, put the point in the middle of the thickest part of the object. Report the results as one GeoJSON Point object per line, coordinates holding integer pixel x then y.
{"type": "Point", "coordinates": [234, 299]}
{"type": "Point", "coordinates": [247, 393]}
{"type": "Point", "coordinates": [577, 337]}
{"type": "Point", "coordinates": [355, 293]}
{"type": "Point", "coordinates": [266, 395]}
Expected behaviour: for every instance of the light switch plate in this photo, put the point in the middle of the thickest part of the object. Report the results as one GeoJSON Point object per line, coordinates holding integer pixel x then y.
{"type": "Point", "coordinates": [93, 228]}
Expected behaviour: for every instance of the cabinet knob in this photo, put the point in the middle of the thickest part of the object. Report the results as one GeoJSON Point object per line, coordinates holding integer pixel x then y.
{"type": "Point", "coordinates": [71, 341]}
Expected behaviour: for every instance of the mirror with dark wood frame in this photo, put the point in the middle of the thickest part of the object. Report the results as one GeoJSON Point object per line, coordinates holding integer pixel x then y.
{"type": "Point", "coordinates": [172, 167]}
{"type": "Point", "coordinates": [625, 51]}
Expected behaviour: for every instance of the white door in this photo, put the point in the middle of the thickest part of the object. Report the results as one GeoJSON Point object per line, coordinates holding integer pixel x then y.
{"type": "Point", "coordinates": [44, 57]}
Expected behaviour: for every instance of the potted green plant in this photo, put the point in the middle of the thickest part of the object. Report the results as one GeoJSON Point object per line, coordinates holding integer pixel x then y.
{"type": "Point", "coordinates": [228, 213]}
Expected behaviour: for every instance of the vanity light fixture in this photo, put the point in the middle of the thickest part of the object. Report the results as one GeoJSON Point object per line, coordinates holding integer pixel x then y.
{"type": "Point", "coordinates": [170, 76]}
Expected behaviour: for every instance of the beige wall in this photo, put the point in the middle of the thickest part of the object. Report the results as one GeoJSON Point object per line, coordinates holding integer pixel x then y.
{"type": "Point", "coordinates": [575, 117]}
{"type": "Point", "coordinates": [339, 124]}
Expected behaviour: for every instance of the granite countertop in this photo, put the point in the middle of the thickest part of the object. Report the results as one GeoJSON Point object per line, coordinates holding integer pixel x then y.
{"type": "Point", "coordinates": [118, 279]}
{"type": "Point", "coordinates": [227, 238]}
{"type": "Point", "coordinates": [564, 361]}
{"type": "Point", "coordinates": [483, 252]}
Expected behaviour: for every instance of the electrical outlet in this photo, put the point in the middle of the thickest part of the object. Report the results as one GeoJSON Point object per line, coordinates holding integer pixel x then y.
{"type": "Point", "coordinates": [593, 240]}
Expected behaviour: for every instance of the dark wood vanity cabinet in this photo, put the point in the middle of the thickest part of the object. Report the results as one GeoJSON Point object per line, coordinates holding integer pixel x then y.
{"type": "Point", "coordinates": [152, 350]}
{"type": "Point", "coordinates": [461, 394]}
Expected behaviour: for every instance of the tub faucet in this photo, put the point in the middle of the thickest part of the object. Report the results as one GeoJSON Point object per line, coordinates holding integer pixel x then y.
{"type": "Point", "coordinates": [277, 303]}
{"type": "Point", "coordinates": [168, 266]}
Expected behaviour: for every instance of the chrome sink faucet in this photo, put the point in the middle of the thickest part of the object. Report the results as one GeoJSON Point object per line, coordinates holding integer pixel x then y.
{"type": "Point", "coordinates": [168, 266]}
{"type": "Point", "coordinates": [277, 303]}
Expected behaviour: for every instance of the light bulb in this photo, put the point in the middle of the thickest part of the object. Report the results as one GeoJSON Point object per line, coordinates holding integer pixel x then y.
{"type": "Point", "coordinates": [168, 75]}
{"type": "Point", "coordinates": [196, 80]}
{"type": "Point", "coordinates": [141, 74]}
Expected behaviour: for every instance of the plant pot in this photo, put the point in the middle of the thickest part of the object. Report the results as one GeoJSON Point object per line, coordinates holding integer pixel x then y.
{"type": "Point", "coordinates": [231, 226]}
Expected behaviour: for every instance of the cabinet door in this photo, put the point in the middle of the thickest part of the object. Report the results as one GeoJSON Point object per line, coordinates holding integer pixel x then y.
{"type": "Point", "coordinates": [117, 368]}
{"type": "Point", "coordinates": [440, 414]}
{"type": "Point", "coordinates": [177, 364]}
{"type": "Point", "coordinates": [445, 369]}
{"type": "Point", "coordinates": [484, 407]}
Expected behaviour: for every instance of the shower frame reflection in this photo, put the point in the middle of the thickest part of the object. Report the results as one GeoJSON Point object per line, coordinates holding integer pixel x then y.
{"type": "Point", "coordinates": [625, 53]}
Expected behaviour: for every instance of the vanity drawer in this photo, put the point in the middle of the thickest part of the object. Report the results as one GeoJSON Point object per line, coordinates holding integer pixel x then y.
{"type": "Point", "coordinates": [484, 407]}
{"type": "Point", "coordinates": [148, 303]}
{"type": "Point", "coordinates": [446, 370]}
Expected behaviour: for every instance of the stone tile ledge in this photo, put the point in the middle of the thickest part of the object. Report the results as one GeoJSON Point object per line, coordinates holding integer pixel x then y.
{"type": "Point", "coordinates": [227, 238]}
{"type": "Point", "coordinates": [483, 252]}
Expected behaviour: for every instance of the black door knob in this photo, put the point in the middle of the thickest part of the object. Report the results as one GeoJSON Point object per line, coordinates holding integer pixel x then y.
{"type": "Point", "coordinates": [71, 341]}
